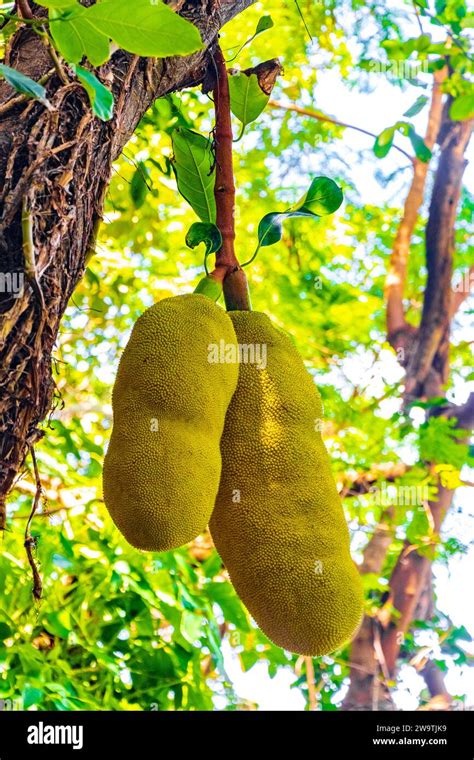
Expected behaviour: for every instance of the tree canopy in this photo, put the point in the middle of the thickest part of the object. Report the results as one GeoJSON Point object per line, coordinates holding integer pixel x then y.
{"type": "Point", "coordinates": [124, 630]}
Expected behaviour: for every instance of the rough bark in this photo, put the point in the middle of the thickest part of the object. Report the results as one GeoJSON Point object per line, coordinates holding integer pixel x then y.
{"type": "Point", "coordinates": [228, 269]}
{"type": "Point", "coordinates": [56, 164]}
{"type": "Point", "coordinates": [434, 679]}
{"type": "Point", "coordinates": [367, 687]}
{"type": "Point", "coordinates": [376, 648]}
{"type": "Point", "coordinates": [432, 341]}
{"type": "Point", "coordinates": [395, 284]}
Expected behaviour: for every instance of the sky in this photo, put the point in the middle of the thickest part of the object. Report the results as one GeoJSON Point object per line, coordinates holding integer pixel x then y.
{"type": "Point", "coordinates": [374, 111]}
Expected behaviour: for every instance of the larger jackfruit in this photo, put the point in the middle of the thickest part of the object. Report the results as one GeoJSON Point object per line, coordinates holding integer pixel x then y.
{"type": "Point", "coordinates": [163, 464]}
{"type": "Point", "coordinates": [278, 523]}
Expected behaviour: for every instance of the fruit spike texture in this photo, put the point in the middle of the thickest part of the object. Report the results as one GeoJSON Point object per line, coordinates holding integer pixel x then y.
{"type": "Point", "coordinates": [163, 464]}
{"type": "Point", "coordinates": [285, 543]}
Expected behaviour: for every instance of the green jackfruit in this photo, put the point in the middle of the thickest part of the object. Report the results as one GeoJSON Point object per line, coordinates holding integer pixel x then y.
{"type": "Point", "coordinates": [162, 468]}
{"type": "Point", "coordinates": [278, 522]}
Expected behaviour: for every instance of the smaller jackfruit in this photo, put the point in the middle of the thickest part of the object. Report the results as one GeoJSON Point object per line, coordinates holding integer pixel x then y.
{"type": "Point", "coordinates": [162, 468]}
{"type": "Point", "coordinates": [278, 522]}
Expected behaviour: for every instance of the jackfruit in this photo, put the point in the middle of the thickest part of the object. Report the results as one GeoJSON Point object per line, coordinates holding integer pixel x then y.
{"type": "Point", "coordinates": [278, 522]}
{"type": "Point", "coordinates": [162, 468]}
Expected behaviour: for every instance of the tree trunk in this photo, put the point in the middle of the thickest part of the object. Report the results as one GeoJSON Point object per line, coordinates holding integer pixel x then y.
{"type": "Point", "coordinates": [424, 352]}
{"type": "Point", "coordinates": [55, 167]}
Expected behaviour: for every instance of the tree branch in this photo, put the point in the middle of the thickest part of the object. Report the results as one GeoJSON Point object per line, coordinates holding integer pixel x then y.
{"type": "Point", "coordinates": [224, 189]}
{"type": "Point", "coordinates": [227, 268]}
{"type": "Point", "coordinates": [376, 549]}
{"type": "Point", "coordinates": [432, 339]}
{"type": "Point", "coordinates": [395, 282]}
{"type": "Point", "coordinates": [328, 120]}
{"type": "Point", "coordinates": [411, 577]}
{"type": "Point", "coordinates": [24, 9]}
{"type": "Point", "coordinates": [434, 679]}
{"type": "Point", "coordinates": [363, 688]}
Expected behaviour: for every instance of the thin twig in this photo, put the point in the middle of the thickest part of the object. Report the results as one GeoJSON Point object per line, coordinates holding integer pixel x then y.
{"type": "Point", "coordinates": [54, 56]}
{"type": "Point", "coordinates": [28, 246]}
{"type": "Point", "coordinates": [30, 542]}
{"type": "Point", "coordinates": [321, 117]}
{"type": "Point", "coordinates": [417, 13]}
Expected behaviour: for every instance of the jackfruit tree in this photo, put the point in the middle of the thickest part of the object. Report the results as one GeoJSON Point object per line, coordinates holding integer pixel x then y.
{"type": "Point", "coordinates": [116, 145]}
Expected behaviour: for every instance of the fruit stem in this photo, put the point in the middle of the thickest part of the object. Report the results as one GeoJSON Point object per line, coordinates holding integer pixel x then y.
{"type": "Point", "coordinates": [228, 270]}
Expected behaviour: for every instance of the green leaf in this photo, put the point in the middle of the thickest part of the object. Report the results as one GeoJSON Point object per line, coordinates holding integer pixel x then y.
{"type": "Point", "coordinates": [193, 163]}
{"type": "Point", "coordinates": [24, 84]}
{"type": "Point", "coordinates": [247, 99]}
{"type": "Point", "coordinates": [149, 29]}
{"type": "Point", "coordinates": [229, 602]}
{"type": "Point", "coordinates": [440, 6]}
{"type": "Point", "coordinates": [5, 631]}
{"type": "Point", "coordinates": [31, 696]}
{"type": "Point", "coordinates": [417, 106]}
{"type": "Point", "coordinates": [383, 142]}
{"type": "Point", "coordinates": [323, 197]}
{"type": "Point", "coordinates": [421, 150]}
{"type": "Point", "coordinates": [139, 185]}
{"type": "Point", "coordinates": [58, 623]}
{"type": "Point", "coordinates": [264, 23]}
{"type": "Point", "coordinates": [204, 232]}
{"type": "Point", "coordinates": [101, 99]}
{"type": "Point", "coordinates": [441, 442]}
{"type": "Point", "coordinates": [423, 42]}
{"type": "Point", "coordinates": [462, 107]}
{"type": "Point", "coordinates": [191, 625]}
{"type": "Point", "coordinates": [76, 38]}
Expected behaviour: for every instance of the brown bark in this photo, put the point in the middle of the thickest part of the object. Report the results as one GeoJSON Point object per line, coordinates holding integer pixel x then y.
{"type": "Point", "coordinates": [367, 687]}
{"type": "Point", "coordinates": [224, 189]}
{"type": "Point", "coordinates": [376, 550]}
{"type": "Point", "coordinates": [227, 268]}
{"type": "Point", "coordinates": [432, 340]}
{"type": "Point", "coordinates": [434, 679]}
{"type": "Point", "coordinates": [410, 592]}
{"type": "Point", "coordinates": [395, 284]}
{"type": "Point", "coordinates": [59, 163]}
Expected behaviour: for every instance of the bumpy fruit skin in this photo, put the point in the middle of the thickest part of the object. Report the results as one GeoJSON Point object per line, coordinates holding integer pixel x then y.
{"type": "Point", "coordinates": [162, 468]}
{"type": "Point", "coordinates": [285, 543]}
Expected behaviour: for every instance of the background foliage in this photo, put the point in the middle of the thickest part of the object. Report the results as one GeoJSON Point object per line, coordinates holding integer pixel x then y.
{"type": "Point", "coordinates": [118, 629]}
